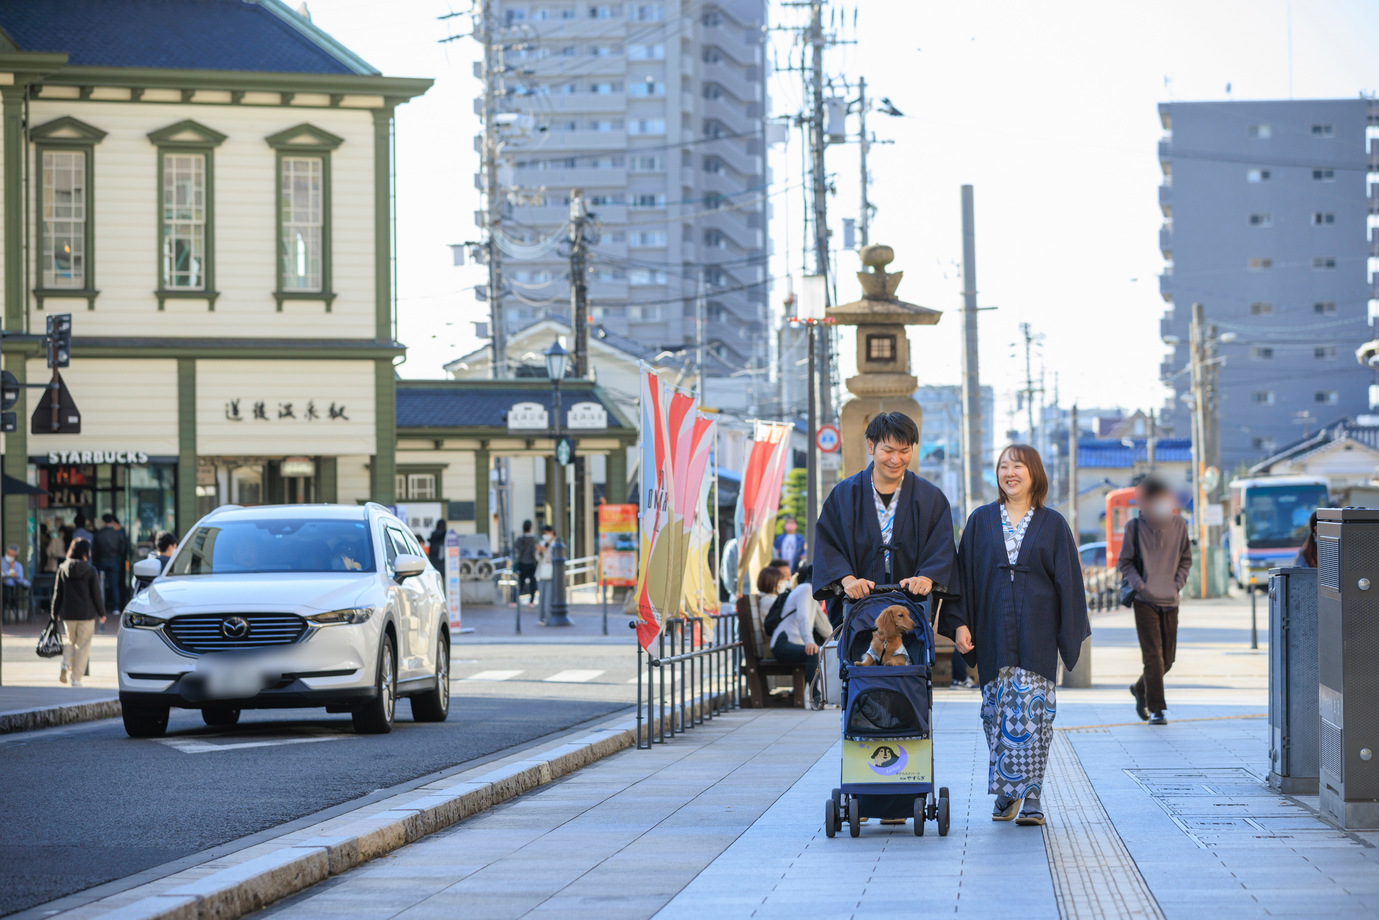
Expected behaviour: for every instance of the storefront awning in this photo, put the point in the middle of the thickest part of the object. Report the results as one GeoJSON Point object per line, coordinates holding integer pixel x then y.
{"type": "Point", "coordinates": [11, 486]}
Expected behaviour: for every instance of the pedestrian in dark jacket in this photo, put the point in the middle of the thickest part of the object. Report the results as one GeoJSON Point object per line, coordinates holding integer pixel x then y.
{"type": "Point", "coordinates": [109, 551]}
{"type": "Point", "coordinates": [524, 549]}
{"type": "Point", "coordinates": [77, 603]}
{"type": "Point", "coordinates": [435, 546]}
{"type": "Point", "coordinates": [1159, 538]}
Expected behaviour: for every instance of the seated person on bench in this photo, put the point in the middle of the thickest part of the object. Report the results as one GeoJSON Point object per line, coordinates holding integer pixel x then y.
{"type": "Point", "coordinates": [793, 640]}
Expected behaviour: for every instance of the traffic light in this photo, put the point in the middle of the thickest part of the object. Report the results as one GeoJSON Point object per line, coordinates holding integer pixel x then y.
{"type": "Point", "coordinates": [59, 339]}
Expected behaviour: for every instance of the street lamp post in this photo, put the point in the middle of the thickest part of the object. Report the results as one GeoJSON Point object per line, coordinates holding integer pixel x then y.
{"type": "Point", "coordinates": [557, 360]}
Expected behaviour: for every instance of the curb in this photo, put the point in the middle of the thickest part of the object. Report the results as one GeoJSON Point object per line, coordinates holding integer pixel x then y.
{"type": "Point", "coordinates": [25, 720]}
{"type": "Point", "coordinates": [272, 871]}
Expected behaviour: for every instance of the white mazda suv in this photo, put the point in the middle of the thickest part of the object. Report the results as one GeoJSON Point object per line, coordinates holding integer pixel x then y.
{"type": "Point", "coordinates": [287, 606]}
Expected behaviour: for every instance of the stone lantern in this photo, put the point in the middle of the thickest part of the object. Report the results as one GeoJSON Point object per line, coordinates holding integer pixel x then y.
{"type": "Point", "coordinates": [883, 382]}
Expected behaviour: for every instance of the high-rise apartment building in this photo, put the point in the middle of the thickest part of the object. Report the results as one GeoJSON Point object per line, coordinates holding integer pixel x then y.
{"type": "Point", "coordinates": [1267, 223]}
{"type": "Point", "coordinates": [656, 109]}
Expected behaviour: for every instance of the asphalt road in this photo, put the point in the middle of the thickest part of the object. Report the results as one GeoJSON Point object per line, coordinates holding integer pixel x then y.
{"type": "Point", "coordinates": [85, 805]}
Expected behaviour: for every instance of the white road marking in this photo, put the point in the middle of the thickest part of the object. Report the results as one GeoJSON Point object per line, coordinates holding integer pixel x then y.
{"type": "Point", "coordinates": [493, 675]}
{"type": "Point", "coordinates": [572, 677]}
{"type": "Point", "coordinates": [197, 746]}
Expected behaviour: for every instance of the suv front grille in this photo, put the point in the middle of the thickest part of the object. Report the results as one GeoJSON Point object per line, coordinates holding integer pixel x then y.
{"type": "Point", "coordinates": [207, 632]}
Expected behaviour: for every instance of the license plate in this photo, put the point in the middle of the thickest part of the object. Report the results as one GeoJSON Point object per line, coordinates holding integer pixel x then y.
{"type": "Point", "coordinates": [230, 682]}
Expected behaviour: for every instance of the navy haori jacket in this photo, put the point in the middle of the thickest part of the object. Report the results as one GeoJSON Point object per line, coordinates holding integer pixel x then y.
{"type": "Point", "coordinates": [847, 538]}
{"type": "Point", "coordinates": [1027, 621]}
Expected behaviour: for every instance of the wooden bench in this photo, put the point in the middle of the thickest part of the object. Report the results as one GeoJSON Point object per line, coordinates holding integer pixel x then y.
{"type": "Point", "coordinates": [756, 670]}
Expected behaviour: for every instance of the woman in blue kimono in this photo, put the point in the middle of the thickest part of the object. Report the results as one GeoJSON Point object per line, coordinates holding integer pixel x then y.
{"type": "Point", "coordinates": [1021, 605]}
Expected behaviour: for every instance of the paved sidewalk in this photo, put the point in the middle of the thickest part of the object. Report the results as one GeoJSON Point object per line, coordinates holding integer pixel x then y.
{"type": "Point", "coordinates": [726, 821]}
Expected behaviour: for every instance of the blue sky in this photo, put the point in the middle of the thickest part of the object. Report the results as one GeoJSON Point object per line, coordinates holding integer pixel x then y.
{"type": "Point", "coordinates": [1048, 109]}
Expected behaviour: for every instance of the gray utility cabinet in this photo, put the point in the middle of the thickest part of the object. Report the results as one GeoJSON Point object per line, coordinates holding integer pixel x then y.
{"type": "Point", "coordinates": [1294, 721]}
{"type": "Point", "coordinates": [1348, 665]}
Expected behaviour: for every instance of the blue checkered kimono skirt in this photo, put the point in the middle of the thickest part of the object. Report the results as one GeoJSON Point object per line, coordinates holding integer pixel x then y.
{"type": "Point", "coordinates": [1017, 712]}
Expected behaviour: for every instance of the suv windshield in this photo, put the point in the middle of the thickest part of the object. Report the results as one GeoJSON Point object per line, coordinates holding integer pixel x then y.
{"type": "Point", "coordinates": [276, 546]}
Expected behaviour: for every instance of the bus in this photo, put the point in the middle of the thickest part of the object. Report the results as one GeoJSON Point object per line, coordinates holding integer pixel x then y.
{"type": "Point", "coordinates": [1269, 523]}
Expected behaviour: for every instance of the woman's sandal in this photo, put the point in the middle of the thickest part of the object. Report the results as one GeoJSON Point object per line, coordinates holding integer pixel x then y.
{"type": "Point", "coordinates": [1007, 813]}
{"type": "Point", "coordinates": [1031, 817]}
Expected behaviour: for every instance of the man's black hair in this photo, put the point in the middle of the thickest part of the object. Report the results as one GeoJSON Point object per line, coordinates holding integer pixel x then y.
{"type": "Point", "coordinates": [109, 518]}
{"type": "Point", "coordinates": [1153, 486]}
{"type": "Point", "coordinates": [547, 528]}
{"type": "Point", "coordinates": [526, 527]}
{"type": "Point", "coordinates": [165, 541]}
{"type": "Point", "coordinates": [896, 427]}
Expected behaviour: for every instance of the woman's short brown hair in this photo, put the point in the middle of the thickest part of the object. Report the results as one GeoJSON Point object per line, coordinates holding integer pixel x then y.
{"type": "Point", "coordinates": [1039, 480]}
{"type": "Point", "coordinates": [769, 579]}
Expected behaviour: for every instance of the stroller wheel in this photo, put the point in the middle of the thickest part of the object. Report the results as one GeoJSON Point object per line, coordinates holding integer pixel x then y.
{"type": "Point", "coordinates": [943, 813]}
{"type": "Point", "coordinates": [919, 816]}
{"type": "Point", "coordinates": [854, 818]}
{"type": "Point", "coordinates": [830, 819]}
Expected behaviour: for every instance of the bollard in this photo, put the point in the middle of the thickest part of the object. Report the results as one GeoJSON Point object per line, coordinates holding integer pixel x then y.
{"type": "Point", "coordinates": [1081, 677]}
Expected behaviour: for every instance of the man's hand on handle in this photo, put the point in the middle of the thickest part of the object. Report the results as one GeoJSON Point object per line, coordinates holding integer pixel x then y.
{"type": "Point", "coordinates": [919, 584]}
{"type": "Point", "coordinates": [857, 588]}
{"type": "Point", "coordinates": [963, 639]}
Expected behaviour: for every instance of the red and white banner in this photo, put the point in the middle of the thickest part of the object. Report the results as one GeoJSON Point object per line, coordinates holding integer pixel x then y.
{"type": "Point", "coordinates": [759, 500]}
{"type": "Point", "coordinates": [676, 441]}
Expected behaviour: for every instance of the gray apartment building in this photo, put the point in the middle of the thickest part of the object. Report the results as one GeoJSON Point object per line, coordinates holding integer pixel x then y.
{"type": "Point", "coordinates": [657, 111]}
{"type": "Point", "coordinates": [1267, 223]}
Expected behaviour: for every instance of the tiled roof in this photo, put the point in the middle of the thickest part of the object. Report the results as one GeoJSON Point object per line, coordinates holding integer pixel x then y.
{"type": "Point", "coordinates": [174, 34]}
{"type": "Point", "coordinates": [1109, 453]}
{"type": "Point", "coordinates": [461, 404]}
{"type": "Point", "coordinates": [1357, 430]}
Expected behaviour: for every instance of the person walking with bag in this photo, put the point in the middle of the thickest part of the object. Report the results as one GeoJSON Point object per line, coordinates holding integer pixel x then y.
{"type": "Point", "coordinates": [1021, 605]}
{"type": "Point", "coordinates": [78, 604]}
{"type": "Point", "coordinates": [545, 571]}
{"type": "Point", "coordinates": [1155, 556]}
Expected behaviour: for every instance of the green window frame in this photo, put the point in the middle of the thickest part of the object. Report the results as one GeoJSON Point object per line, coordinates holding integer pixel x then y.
{"type": "Point", "coordinates": [184, 150]}
{"type": "Point", "coordinates": [51, 140]}
{"type": "Point", "coordinates": [302, 168]}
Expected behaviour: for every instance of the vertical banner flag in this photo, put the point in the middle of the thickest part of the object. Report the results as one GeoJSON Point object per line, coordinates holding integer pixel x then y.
{"type": "Point", "coordinates": [759, 500]}
{"type": "Point", "coordinates": [675, 453]}
{"type": "Point", "coordinates": [701, 585]}
{"type": "Point", "coordinates": [452, 580]}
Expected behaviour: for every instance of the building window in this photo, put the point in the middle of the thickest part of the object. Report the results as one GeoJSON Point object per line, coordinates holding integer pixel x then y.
{"type": "Point", "coordinates": [880, 348]}
{"type": "Point", "coordinates": [1323, 175]}
{"type": "Point", "coordinates": [1266, 445]}
{"type": "Point", "coordinates": [646, 52]}
{"type": "Point", "coordinates": [1323, 131]}
{"type": "Point", "coordinates": [1324, 263]}
{"type": "Point", "coordinates": [1324, 352]}
{"type": "Point", "coordinates": [421, 486]}
{"type": "Point", "coordinates": [1321, 218]}
{"type": "Point", "coordinates": [1257, 175]}
{"type": "Point", "coordinates": [644, 314]}
{"type": "Point", "coordinates": [647, 126]}
{"type": "Point", "coordinates": [646, 276]}
{"type": "Point", "coordinates": [1261, 309]}
{"type": "Point", "coordinates": [1261, 352]}
{"type": "Point", "coordinates": [1263, 397]}
{"type": "Point", "coordinates": [62, 210]}
{"type": "Point", "coordinates": [186, 211]}
{"type": "Point", "coordinates": [1261, 265]}
{"type": "Point", "coordinates": [648, 164]}
{"type": "Point", "coordinates": [304, 231]}
{"type": "Point", "coordinates": [649, 201]}
{"type": "Point", "coordinates": [647, 88]}
{"type": "Point", "coordinates": [1261, 220]}
{"type": "Point", "coordinates": [649, 238]}
{"type": "Point", "coordinates": [1261, 132]}
{"type": "Point", "coordinates": [1324, 307]}
{"type": "Point", "coordinates": [1326, 397]}
{"type": "Point", "coordinates": [648, 12]}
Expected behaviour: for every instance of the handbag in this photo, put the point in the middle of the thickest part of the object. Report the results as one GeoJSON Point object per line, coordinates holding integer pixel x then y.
{"type": "Point", "coordinates": [1127, 593]}
{"type": "Point", "coordinates": [50, 640]}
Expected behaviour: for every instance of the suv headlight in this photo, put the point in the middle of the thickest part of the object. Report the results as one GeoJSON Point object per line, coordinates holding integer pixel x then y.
{"type": "Point", "coordinates": [142, 621]}
{"type": "Point", "coordinates": [350, 616]}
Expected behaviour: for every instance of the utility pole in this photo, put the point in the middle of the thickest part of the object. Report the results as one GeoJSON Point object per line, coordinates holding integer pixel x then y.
{"type": "Point", "coordinates": [818, 141]}
{"type": "Point", "coordinates": [1197, 336]}
{"type": "Point", "coordinates": [493, 194]}
{"type": "Point", "coordinates": [1151, 444]}
{"type": "Point", "coordinates": [1028, 332]}
{"type": "Point", "coordinates": [1072, 478]}
{"type": "Point", "coordinates": [863, 145]}
{"type": "Point", "coordinates": [971, 373]}
{"type": "Point", "coordinates": [582, 536]}
{"type": "Point", "coordinates": [699, 319]}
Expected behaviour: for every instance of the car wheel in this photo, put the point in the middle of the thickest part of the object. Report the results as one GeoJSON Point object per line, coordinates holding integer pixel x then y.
{"type": "Point", "coordinates": [145, 722]}
{"type": "Point", "coordinates": [376, 716]}
{"type": "Point", "coordinates": [218, 716]}
{"type": "Point", "coordinates": [434, 705]}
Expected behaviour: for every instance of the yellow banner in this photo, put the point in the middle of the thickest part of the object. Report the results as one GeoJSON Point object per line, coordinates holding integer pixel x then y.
{"type": "Point", "coordinates": [888, 760]}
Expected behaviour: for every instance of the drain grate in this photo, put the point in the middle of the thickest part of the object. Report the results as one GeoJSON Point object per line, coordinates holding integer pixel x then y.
{"type": "Point", "coordinates": [1231, 807]}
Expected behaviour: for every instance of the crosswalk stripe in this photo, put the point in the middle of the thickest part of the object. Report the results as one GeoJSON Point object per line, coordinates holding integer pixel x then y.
{"type": "Point", "coordinates": [573, 677]}
{"type": "Point", "coordinates": [494, 675]}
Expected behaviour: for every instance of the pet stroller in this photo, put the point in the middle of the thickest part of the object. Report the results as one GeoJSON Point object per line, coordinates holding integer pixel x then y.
{"type": "Point", "coordinates": [888, 753]}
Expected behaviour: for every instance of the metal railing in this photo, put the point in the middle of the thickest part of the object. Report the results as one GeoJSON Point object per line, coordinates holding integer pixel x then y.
{"type": "Point", "coordinates": [701, 658]}
{"type": "Point", "coordinates": [1102, 585]}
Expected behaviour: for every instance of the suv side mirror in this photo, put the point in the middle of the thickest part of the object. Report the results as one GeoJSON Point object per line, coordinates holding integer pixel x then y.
{"type": "Point", "coordinates": [148, 569]}
{"type": "Point", "coordinates": [407, 565]}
